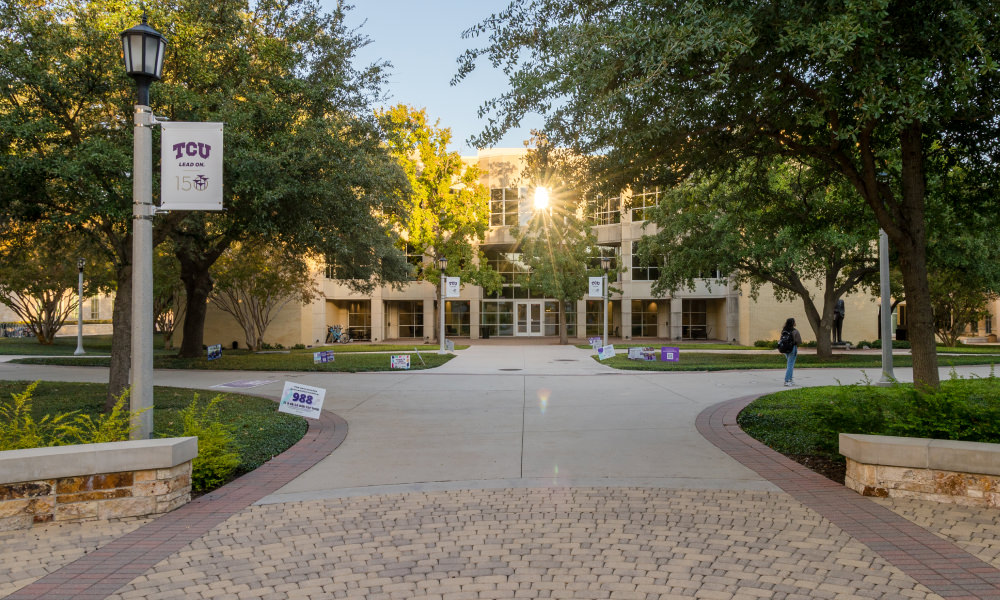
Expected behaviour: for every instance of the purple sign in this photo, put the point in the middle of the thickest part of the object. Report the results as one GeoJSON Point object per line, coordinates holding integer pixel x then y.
{"type": "Point", "coordinates": [670, 354]}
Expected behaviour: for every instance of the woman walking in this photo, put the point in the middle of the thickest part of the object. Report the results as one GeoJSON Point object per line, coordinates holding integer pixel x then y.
{"type": "Point", "coordinates": [790, 331]}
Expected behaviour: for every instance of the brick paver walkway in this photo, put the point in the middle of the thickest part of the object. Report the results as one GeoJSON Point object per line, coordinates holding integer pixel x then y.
{"type": "Point", "coordinates": [813, 539]}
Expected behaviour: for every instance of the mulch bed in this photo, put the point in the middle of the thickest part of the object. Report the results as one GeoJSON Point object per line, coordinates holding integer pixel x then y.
{"type": "Point", "coordinates": [832, 469]}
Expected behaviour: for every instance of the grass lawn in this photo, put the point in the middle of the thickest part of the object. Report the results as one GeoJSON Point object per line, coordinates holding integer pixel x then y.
{"type": "Point", "coordinates": [682, 346]}
{"type": "Point", "coordinates": [294, 360]}
{"type": "Point", "coordinates": [261, 432]}
{"type": "Point", "coordinates": [704, 361]}
{"type": "Point", "coordinates": [804, 423]}
{"type": "Point", "coordinates": [66, 345]}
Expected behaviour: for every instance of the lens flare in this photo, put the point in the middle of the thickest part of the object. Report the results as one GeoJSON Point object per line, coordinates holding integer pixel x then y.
{"type": "Point", "coordinates": [543, 400]}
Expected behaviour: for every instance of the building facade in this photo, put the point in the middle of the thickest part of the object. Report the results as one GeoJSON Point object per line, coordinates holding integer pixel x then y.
{"type": "Point", "coordinates": [715, 310]}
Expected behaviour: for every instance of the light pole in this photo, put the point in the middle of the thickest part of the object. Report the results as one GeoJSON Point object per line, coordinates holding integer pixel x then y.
{"type": "Point", "coordinates": [79, 307]}
{"type": "Point", "coordinates": [605, 264]}
{"type": "Point", "coordinates": [443, 262]}
{"type": "Point", "coordinates": [143, 48]}
{"type": "Point", "coordinates": [883, 263]}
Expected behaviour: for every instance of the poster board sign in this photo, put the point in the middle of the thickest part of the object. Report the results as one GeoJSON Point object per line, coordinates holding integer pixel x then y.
{"type": "Point", "coordinates": [596, 289]}
{"type": "Point", "coordinates": [215, 352]}
{"type": "Point", "coordinates": [399, 361]}
{"type": "Point", "coordinates": [647, 353]}
{"type": "Point", "coordinates": [595, 342]}
{"type": "Point", "coordinates": [323, 356]}
{"type": "Point", "coordinates": [452, 287]}
{"type": "Point", "coordinates": [302, 400]}
{"type": "Point", "coordinates": [606, 352]}
{"type": "Point", "coordinates": [191, 166]}
{"type": "Point", "coordinates": [670, 354]}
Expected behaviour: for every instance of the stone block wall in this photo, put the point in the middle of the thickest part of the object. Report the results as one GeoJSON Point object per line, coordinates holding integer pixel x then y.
{"type": "Point", "coordinates": [967, 489]}
{"type": "Point", "coordinates": [966, 473]}
{"type": "Point", "coordinates": [101, 496]}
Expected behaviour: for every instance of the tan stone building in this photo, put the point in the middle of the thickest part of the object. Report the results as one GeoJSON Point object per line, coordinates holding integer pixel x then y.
{"type": "Point", "coordinates": [713, 311]}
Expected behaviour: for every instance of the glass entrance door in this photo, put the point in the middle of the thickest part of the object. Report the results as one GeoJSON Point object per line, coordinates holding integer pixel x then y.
{"type": "Point", "coordinates": [528, 315]}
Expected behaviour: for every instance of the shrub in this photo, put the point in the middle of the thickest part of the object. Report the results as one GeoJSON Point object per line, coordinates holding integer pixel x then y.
{"type": "Point", "coordinates": [770, 344]}
{"type": "Point", "coordinates": [19, 430]}
{"type": "Point", "coordinates": [217, 458]}
{"type": "Point", "coordinates": [115, 426]}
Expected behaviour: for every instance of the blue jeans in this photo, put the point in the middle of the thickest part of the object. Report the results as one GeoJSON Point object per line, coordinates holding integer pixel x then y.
{"type": "Point", "coordinates": [791, 363]}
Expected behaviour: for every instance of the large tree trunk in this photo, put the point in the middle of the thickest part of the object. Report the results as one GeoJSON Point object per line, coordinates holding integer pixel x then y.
{"type": "Point", "coordinates": [121, 338]}
{"type": "Point", "coordinates": [913, 260]}
{"type": "Point", "coordinates": [197, 286]}
{"type": "Point", "coordinates": [821, 324]}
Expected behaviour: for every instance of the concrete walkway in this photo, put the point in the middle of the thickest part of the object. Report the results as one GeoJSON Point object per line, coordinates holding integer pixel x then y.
{"type": "Point", "coordinates": [561, 479]}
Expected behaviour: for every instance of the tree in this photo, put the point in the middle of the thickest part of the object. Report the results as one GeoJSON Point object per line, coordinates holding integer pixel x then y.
{"type": "Point", "coordinates": [872, 90]}
{"type": "Point", "coordinates": [557, 245]}
{"type": "Point", "coordinates": [305, 160]}
{"type": "Point", "coordinates": [38, 277]}
{"type": "Point", "coordinates": [168, 292]}
{"type": "Point", "coordinates": [447, 213]}
{"type": "Point", "coordinates": [956, 305]}
{"type": "Point", "coordinates": [777, 222]}
{"type": "Point", "coordinates": [255, 280]}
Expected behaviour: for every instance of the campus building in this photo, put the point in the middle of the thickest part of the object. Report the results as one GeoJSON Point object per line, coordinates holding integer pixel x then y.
{"type": "Point", "coordinates": [714, 310]}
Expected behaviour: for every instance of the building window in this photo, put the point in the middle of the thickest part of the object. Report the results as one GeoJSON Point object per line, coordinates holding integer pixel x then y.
{"type": "Point", "coordinates": [642, 202]}
{"type": "Point", "coordinates": [511, 270]}
{"type": "Point", "coordinates": [595, 318]}
{"type": "Point", "coordinates": [411, 319]}
{"type": "Point", "coordinates": [457, 318]}
{"type": "Point", "coordinates": [496, 318]}
{"type": "Point", "coordinates": [694, 319]}
{"type": "Point", "coordinates": [604, 211]}
{"type": "Point", "coordinates": [989, 324]}
{"type": "Point", "coordinates": [95, 309]}
{"type": "Point", "coordinates": [639, 272]}
{"type": "Point", "coordinates": [644, 318]}
{"type": "Point", "coordinates": [333, 270]}
{"type": "Point", "coordinates": [359, 320]}
{"type": "Point", "coordinates": [504, 206]}
{"type": "Point", "coordinates": [594, 262]}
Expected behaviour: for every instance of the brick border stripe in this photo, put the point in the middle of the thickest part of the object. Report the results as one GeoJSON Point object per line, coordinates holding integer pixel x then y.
{"type": "Point", "coordinates": [103, 571]}
{"type": "Point", "coordinates": [939, 564]}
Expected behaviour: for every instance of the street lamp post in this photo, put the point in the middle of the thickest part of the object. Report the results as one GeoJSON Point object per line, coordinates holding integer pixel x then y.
{"type": "Point", "coordinates": [443, 262]}
{"type": "Point", "coordinates": [605, 264]}
{"type": "Point", "coordinates": [883, 262]}
{"type": "Point", "coordinates": [79, 307]}
{"type": "Point", "coordinates": [143, 49]}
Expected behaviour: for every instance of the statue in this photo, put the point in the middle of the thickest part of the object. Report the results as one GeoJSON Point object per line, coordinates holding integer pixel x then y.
{"type": "Point", "coordinates": [838, 321]}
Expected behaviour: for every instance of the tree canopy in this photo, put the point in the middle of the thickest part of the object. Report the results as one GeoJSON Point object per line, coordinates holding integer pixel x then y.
{"type": "Point", "coordinates": [305, 159]}
{"type": "Point", "coordinates": [447, 213]}
{"type": "Point", "coordinates": [776, 222]}
{"type": "Point", "coordinates": [877, 91]}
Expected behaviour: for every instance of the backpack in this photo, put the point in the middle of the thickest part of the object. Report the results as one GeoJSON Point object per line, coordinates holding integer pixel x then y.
{"type": "Point", "coordinates": [786, 343]}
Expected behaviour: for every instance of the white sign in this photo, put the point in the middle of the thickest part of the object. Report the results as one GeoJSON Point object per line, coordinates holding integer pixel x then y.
{"type": "Point", "coordinates": [302, 400]}
{"type": "Point", "coordinates": [399, 361]}
{"type": "Point", "coordinates": [596, 287]}
{"type": "Point", "coordinates": [452, 287]}
{"type": "Point", "coordinates": [191, 166]}
{"type": "Point", "coordinates": [606, 352]}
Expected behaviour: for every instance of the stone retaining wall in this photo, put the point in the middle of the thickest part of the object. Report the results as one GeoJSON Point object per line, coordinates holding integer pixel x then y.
{"type": "Point", "coordinates": [94, 481]}
{"type": "Point", "coordinates": [966, 473]}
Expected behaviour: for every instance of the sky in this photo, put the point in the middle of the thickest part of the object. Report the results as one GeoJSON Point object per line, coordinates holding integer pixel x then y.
{"type": "Point", "coordinates": [422, 39]}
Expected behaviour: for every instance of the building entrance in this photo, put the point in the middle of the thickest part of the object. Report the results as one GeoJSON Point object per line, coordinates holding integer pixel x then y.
{"type": "Point", "coordinates": [528, 317]}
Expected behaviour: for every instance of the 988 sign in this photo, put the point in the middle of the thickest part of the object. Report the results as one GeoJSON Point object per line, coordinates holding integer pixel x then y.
{"type": "Point", "coordinates": [302, 400]}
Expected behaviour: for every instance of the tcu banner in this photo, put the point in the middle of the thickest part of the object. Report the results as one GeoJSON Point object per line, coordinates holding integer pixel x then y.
{"type": "Point", "coordinates": [191, 171]}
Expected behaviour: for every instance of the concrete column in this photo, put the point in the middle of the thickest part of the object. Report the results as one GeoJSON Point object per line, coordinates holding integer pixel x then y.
{"type": "Point", "coordinates": [430, 322]}
{"type": "Point", "coordinates": [626, 326]}
{"type": "Point", "coordinates": [663, 319]}
{"type": "Point", "coordinates": [475, 306]}
{"type": "Point", "coordinates": [732, 317]}
{"type": "Point", "coordinates": [675, 318]}
{"type": "Point", "coordinates": [581, 319]}
{"type": "Point", "coordinates": [378, 318]}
